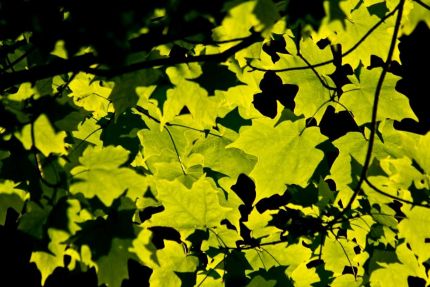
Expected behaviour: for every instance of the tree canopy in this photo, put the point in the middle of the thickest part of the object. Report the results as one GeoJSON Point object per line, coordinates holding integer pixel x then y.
{"type": "Point", "coordinates": [214, 143]}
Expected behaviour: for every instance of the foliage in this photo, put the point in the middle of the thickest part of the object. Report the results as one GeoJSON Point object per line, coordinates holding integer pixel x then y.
{"type": "Point", "coordinates": [212, 143]}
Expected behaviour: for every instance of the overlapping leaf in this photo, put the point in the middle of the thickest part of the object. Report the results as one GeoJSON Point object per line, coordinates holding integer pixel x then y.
{"type": "Point", "coordinates": [100, 175]}
{"type": "Point", "coordinates": [286, 154]}
{"type": "Point", "coordinates": [195, 208]}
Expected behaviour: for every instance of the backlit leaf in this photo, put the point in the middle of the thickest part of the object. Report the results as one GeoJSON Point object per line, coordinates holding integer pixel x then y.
{"type": "Point", "coordinates": [285, 154]}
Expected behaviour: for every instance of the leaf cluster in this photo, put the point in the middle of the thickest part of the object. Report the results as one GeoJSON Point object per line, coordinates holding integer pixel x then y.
{"type": "Point", "coordinates": [220, 143]}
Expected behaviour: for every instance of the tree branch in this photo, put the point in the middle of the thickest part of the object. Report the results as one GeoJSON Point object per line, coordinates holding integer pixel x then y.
{"type": "Point", "coordinates": [373, 127]}
{"type": "Point", "coordinates": [56, 67]}
{"type": "Point", "coordinates": [220, 57]}
{"type": "Point", "coordinates": [83, 63]}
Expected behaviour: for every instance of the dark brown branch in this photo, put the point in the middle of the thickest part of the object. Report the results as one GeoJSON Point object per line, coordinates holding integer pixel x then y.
{"type": "Point", "coordinates": [10, 65]}
{"type": "Point", "coordinates": [220, 57]}
{"type": "Point", "coordinates": [57, 67]}
{"type": "Point", "coordinates": [83, 63]}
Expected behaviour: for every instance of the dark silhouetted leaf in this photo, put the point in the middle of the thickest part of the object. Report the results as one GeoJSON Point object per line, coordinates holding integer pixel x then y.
{"type": "Point", "coordinates": [216, 77]}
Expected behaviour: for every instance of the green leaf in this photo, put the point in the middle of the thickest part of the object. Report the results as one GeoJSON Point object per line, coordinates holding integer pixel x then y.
{"type": "Point", "coordinates": [358, 24]}
{"type": "Point", "coordinates": [33, 221]}
{"type": "Point", "coordinates": [347, 167]}
{"type": "Point", "coordinates": [290, 256]}
{"type": "Point", "coordinates": [113, 266]}
{"type": "Point", "coordinates": [338, 254]}
{"type": "Point", "coordinates": [396, 274]}
{"type": "Point", "coordinates": [90, 94]}
{"type": "Point", "coordinates": [358, 98]}
{"type": "Point", "coordinates": [123, 95]}
{"type": "Point", "coordinates": [168, 152]}
{"type": "Point", "coordinates": [216, 155]}
{"type": "Point", "coordinates": [266, 11]}
{"type": "Point", "coordinates": [312, 97]}
{"type": "Point", "coordinates": [416, 13]}
{"type": "Point", "coordinates": [166, 262]}
{"type": "Point", "coordinates": [45, 138]}
{"type": "Point", "coordinates": [414, 228]}
{"type": "Point", "coordinates": [194, 208]}
{"type": "Point", "coordinates": [171, 259]}
{"type": "Point", "coordinates": [304, 276]}
{"type": "Point", "coordinates": [233, 120]}
{"type": "Point", "coordinates": [88, 131]}
{"type": "Point", "coordinates": [10, 197]}
{"type": "Point", "coordinates": [223, 81]}
{"type": "Point", "coordinates": [186, 93]}
{"type": "Point", "coordinates": [24, 92]}
{"type": "Point", "coordinates": [347, 280]}
{"type": "Point", "coordinates": [238, 22]}
{"type": "Point", "coordinates": [47, 261]}
{"type": "Point", "coordinates": [421, 154]}
{"type": "Point", "coordinates": [285, 154]}
{"type": "Point", "coordinates": [259, 281]}
{"type": "Point", "coordinates": [100, 175]}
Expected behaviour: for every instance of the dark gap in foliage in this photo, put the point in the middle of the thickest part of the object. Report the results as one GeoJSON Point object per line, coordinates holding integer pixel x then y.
{"type": "Point", "coordinates": [228, 224]}
{"type": "Point", "coordinates": [276, 45]}
{"type": "Point", "coordinates": [63, 277]}
{"type": "Point", "coordinates": [414, 55]}
{"type": "Point", "coordinates": [323, 43]}
{"type": "Point", "coordinates": [274, 90]}
{"type": "Point", "coordinates": [273, 202]}
{"type": "Point", "coordinates": [350, 270]}
{"type": "Point", "coordinates": [161, 233]}
{"type": "Point", "coordinates": [147, 212]}
{"type": "Point", "coordinates": [233, 120]}
{"type": "Point", "coordinates": [138, 275]}
{"type": "Point", "coordinates": [414, 281]}
{"type": "Point", "coordinates": [15, 250]}
{"type": "Point", "coordinates": [335, 125]}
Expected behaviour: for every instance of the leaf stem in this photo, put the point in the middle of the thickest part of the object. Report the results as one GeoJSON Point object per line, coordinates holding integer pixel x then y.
{"type": "Point", "coordinates": [176, 151]}
{"type": "Point", "coordinates": [346, 254]}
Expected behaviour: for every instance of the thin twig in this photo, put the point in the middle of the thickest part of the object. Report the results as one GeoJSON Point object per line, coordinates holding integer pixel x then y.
{"type": "Point", "coordinates": [212, 269]}
{"type": "Point", "coordinates": [421, 3]}
{"type": "Point", "coordinates": [346, 254]}
{"type": "Point", "coordinates": [273, 257]}
{"type": "Point", "coordinates": [373, 126]}
{"type": "Point", "coordinates": [146, 113]}
{"type": "Point", "coordinates": [17, 60]}
{"type": "Point", "coordinates": [39, 167]}
{"type": "Point", "coordinates": [323, 82]}
{"type": "Point", "coordinates": [350, 50]}
{"type": "Point", "coordinates": [176, 151]}
{"type": "Point", "coordinates": [261, 259]}
{"type": "Point", "coordinates": [393, 196]}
